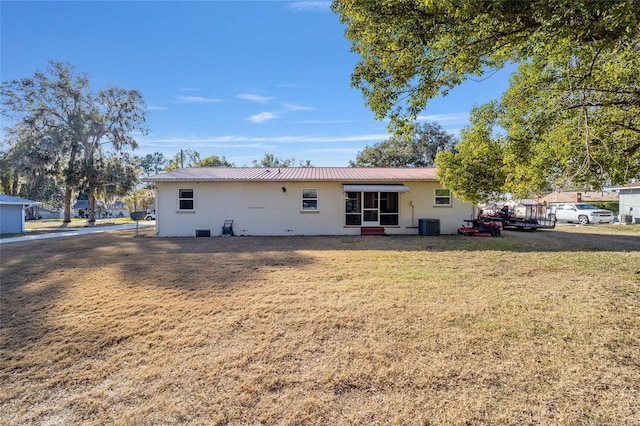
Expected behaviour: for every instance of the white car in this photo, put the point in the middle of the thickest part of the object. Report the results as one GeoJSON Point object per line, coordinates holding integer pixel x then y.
{"type": "Point", "coordinates": [151, 215]}
{"type": "Point", "coordinates": [582, 213]}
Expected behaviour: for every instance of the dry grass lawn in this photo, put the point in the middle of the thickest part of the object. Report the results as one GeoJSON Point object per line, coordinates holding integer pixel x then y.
{"type": "Point", "coordinates": [526, 329]}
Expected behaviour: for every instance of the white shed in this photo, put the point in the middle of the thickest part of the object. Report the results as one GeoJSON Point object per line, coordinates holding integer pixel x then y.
{"type": "Point", "coordinates": [629, 202]}
{"type": "Point", "coordinates": [304, 201]}
{"type": "Point", "coordinates": [12, 213]}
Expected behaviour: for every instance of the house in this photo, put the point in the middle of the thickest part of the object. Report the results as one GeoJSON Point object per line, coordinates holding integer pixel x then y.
{"type": "Point", "coordinates": [578, 197]}
{"type": "Point", "coordinates": [629, 202]}
{"type": "Point", "coordinates": [48, 212]}
{"type": "Point", "coordinates": [12, 213]}
{"type": "Point", "coordinates": [304, 201]}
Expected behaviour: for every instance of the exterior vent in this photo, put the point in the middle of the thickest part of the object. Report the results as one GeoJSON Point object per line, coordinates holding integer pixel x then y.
{"type": "Point", "coordinates": [203, 232]}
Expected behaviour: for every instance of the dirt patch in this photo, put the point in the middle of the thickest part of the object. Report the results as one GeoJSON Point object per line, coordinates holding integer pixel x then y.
{"type": "Point", "coordinates": [528, 328]}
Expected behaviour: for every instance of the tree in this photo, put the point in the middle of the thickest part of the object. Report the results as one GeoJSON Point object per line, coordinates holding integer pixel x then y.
{"type": "Point", "coordinates": [214, 161]}
{"type": "Point", "coordinates": [59, 116]}
{"type": "Point", "coordinates": [270, 160]}
{"type": "Point", "coordinates": [474, 171]}
{"type": "Point", "coordinates": [182, 159]}
{"type": "Point", "coordinates": [418, 150]}
{"type": "Point", "coordinates": [152, 163]}
{"type": "Point", "coordinates": [579, 70]}
{"type": "Point", "coordinates": [9, 177]}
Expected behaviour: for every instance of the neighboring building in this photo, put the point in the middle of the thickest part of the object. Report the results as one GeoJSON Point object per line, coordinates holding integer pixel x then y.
{"type": "Point", "coordinates": [12, 213]}
{"type": "Point", "coordinates": [579, 197]}
{"type": "Point", "coordinates": [629, 202]}
{"type": "Point", "coordinates": [49, 213]}
{"type": "Point", "coordinates": [304, 201]}
{"type": "Point", "coordinates": [80, 208]}
{"type": "Point", "coordinates": [117, 209]}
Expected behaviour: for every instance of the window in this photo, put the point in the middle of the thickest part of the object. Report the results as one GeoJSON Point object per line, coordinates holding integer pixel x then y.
{"type": "Point", "coordinates": [353, 208]}
{"type": "Point", "coordinates": [388, 208]}
{"type": "Point", "coordinates": [443, 197]}
{"type": "Point", "coordinates": [309, 199]}
{"type": "Point", "coordinates": [185, 199]}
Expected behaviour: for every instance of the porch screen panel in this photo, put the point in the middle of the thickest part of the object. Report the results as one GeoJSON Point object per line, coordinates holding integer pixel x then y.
{"type": "Point", "coordinates": [353, 208]}
{"type": "Point", "coordinates": [389, 208]}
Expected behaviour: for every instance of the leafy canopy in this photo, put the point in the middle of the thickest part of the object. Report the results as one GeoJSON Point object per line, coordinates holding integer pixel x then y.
{"type": "Point", "coordinates": [418, 150]}
{"type": "Point", "coordinates": [574, 99]}
{"type": "Point", "coordinates": [63, 129]}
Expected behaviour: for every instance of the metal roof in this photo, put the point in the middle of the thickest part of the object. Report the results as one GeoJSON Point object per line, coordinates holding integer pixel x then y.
{"type": "Point", "coordinates": [10, 199]}
{"type": "Point", "coordinates": [299, 174]}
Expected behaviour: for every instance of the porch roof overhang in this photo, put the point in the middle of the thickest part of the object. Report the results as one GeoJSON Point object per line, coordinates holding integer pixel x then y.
{"type": "Point", "coordinates": [375, 188]}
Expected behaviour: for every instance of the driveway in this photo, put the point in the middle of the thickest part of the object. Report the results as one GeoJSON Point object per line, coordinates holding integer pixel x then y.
{"type": "Point", "coordinates": [76, 231]}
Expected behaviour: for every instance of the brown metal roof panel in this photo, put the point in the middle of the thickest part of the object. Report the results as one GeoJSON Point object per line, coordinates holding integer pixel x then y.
{"type": "Point", "coordinates": [347, 174]}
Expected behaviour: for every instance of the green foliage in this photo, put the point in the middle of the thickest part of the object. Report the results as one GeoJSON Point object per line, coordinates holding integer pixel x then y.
{"type": "Point", "coordinates": [474, 172]}
{"type": "Point", "coordinates": [152, 163]}
{"type": "Point", "coordinates": [270, 160]}
{"type": "Point", "coordinates": [190, 158]}
{"type": "Point", "coordinates": [614, 206]}
{"type": "Point", "coordinates": [214, 161]}
{"type": "Point", "coordinates": [572, 112]}
{"type": "Point", "coordinates": [183, 158]}
{"type": "Point", "coordinates": [62, 129]}
{"type": "Point", "coordinates": [417, 150]}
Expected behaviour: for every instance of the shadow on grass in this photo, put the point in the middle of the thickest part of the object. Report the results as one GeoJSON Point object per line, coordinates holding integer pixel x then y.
{"type": "Point", "coordinates": [71, 276]}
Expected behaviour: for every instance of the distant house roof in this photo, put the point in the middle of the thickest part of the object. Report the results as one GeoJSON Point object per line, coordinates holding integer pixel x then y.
{"type": "Point", "coordinates": [632, 185]}
{"type": "Point", "coordinates": [573, 196]}
{"type": "Point", "coordinates": [10, 199]}
{"type": "Point", "coordinates": [81, 204]}
{"type": "Point", "coordinates": [275, 174]}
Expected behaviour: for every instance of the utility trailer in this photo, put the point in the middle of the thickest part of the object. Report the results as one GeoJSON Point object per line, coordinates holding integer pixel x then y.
{"type": "Point", "coordinates": [528, 217]}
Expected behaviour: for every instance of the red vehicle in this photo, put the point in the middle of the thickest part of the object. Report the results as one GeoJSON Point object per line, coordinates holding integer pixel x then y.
{"type": "Point", "coordinates": [481, 227]}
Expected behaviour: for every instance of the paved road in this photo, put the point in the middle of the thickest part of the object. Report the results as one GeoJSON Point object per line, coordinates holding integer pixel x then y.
{"type": "Point", "coordinates": [75, 231]}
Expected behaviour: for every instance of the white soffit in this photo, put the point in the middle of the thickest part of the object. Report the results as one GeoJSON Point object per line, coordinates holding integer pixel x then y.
{"type": "Point", "coordinates": [375, 188]}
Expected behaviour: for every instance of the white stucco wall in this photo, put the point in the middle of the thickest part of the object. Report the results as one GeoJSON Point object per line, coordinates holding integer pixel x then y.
{"type": "Point", "coordinates": [262, 208]}
{"type": "Point", "coordinates": [630, 203]}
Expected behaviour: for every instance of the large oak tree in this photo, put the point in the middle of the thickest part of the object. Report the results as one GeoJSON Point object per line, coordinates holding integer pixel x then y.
{"type": "Point", "coordinates": [71, 130]}
{"type": "Point", "coordinates": [574, 99]}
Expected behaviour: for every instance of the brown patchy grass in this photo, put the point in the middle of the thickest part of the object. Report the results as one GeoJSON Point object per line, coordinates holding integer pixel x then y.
{"type": "Point", "coordinates": [530, 328]}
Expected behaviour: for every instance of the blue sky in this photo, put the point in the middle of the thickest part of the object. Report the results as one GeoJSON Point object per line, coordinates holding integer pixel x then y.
{"type": "Point", "coordinates": [238, 79]}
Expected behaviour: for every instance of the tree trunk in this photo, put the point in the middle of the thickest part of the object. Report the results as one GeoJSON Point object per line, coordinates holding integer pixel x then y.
{"type": "Point", "coordinates": [69, 186]}
{"type": "Point", "coordinates": [16, 184]}
{"type": "Point", "coordinates": [67, 204]}
{"type": "Point", "coordinates": [91, 216]}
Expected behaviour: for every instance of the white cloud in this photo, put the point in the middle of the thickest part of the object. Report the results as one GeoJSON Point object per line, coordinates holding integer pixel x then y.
{"type": "Point", "coordinates": [197, 99]}
{"type": "Point", "coordinates": [156, 108]}
{"type": "Point", "coordinates": [255, 98]}
{"type": "Point", "coordinates": [312, 6]}
{"type": "Point", "coordinates": [294, 107]}
{"type": "Point", "coordinates": [454, 117]}
{"type": "Point", "coordinates": [262, 117]}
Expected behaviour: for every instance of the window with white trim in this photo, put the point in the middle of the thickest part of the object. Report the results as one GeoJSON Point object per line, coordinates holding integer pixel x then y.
{"type": "Point", "coordinates": [443, 197]}
{"type": "Point", "coordinates": [310, 199]}
{"type": "Point", "coordinates": [185, 199]}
